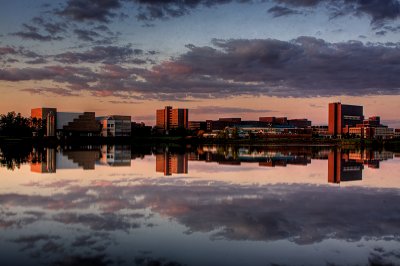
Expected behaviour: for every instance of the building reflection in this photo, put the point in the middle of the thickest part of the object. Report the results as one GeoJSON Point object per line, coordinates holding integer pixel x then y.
{"type": "Point", "coordinates": [116, 155]}
{"type": "Point", "coordinates": [343, 165]}
{"type": "Point", "coordinates": [171, 163]}
{"type": "Point", "coordinates": [348, 165]}
{"type": "Point", "coordinates": [44, 162]}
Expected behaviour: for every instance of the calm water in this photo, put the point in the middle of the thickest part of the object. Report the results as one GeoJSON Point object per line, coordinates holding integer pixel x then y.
{"type": "Point", "coordinates": [212, 205]}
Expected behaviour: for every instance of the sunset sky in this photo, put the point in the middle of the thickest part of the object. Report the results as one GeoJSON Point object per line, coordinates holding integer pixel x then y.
{"type": "Point", "coordinates": [219, 58]}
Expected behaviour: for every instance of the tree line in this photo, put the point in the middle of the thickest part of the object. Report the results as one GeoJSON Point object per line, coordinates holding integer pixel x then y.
{"type": "Point", "coordinates": [15, 125]}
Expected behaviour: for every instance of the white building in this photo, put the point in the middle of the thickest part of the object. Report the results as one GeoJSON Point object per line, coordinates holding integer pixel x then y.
{"type": "Point", "coordinates": [115, 126]}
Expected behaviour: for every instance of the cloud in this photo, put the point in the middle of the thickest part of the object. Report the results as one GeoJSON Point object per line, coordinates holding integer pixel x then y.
{"type": "Point", "coordinates": [152, 10]}
{"type": "Point", "coordinates": [279, 11]}
{"type": "Point", "coordinates": [225, 110]}
{"type": "Point", "coordinates": [303, 67]}
{"type": "Point", "coordinates": [33, 33]}
{"type": "Point", "coordinates": [104, 54]}
{"type": "Point", "coordinates": [379, 11]}
{"type": "Point", "coordinates": [87, 10]}
{"type": "Point", "coordinates": [52, 91]}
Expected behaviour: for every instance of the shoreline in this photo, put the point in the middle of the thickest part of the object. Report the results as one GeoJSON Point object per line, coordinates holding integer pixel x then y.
{"type": "Point", "coordinates": [144, 141]}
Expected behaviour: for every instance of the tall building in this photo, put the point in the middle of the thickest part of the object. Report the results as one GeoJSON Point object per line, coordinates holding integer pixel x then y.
{"type": "Point", "coordinates": [48, 116]}
{"type": "Point", "coordinates": [342, 115]}
{"type": "Point", "coordinates": [170, 118]}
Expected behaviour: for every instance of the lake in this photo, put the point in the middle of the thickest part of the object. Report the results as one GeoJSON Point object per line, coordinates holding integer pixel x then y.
{"type": "Point", "coordinates": [199, 205]}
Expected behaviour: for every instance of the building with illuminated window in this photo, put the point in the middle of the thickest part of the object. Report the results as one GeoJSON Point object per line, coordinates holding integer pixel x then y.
{"type": "Point", "coordinates": [342, 116]}
{"type": "Point", "coordinates": [170, 118]}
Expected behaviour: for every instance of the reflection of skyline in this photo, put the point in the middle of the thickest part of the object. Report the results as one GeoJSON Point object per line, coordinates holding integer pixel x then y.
{"type": "Point", "coordinates": [172, 163]}
{"type": "Point", "coordinates": [116, 155]}
{"type": "Point", "coordinates": [343, 165]}
{"type": "Point", "coordinates": [348, 166]}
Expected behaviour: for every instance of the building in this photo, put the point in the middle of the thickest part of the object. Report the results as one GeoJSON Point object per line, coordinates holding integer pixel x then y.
{"type": "Point", "coordinates": [170, 118]}
{"type": "Point", "coordinates": [77, 124]}
{"type": "Point", "coordinates": [321, 131]}
{"type": "Point", "coordinates": [299, 123]}
{"type": "Point", "coordinates": [115, 126]}
{"type": "Point", "coordinates": [197, 125]}
{"type": "Point", "coordinates": [342, 115]}
{"type": "Point", "coordinates": [272, 120]}
{"type": "Point", "coordinates": [396, 133]}
{"type": "Point", "coordinates": [222, 123]}
{"type": "Point", "coordinates": [383, 133]}
{"type": "Point", "coordinates": [48, 117]}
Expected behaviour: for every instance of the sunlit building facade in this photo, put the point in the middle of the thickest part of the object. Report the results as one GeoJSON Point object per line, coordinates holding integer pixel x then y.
{"type": "Point", "coordinates": [170, 118]}
{"type": "Point", "coordinates": [342, 116]}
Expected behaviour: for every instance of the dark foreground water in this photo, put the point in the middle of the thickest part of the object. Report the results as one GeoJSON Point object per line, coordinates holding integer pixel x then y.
{"type": "Point", "coordinates": [212, 205]}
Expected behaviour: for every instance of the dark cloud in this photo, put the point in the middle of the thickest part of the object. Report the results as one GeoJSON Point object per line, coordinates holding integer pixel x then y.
{"type": "Point", "coordinates": [51, 91]}
{"type": "Point", "coordinates": [50, 27]}
{"type": "Point", "coordinates": [104, 54]}
{"type": "Point", "coordinates": [381, 33]}
{"type": "Point", "coordinates": [279, 11]}
{"type": "Point", "coordinates": [33, 33]}
{"type": "Point", "coordinates": [303, 67]}
{"type": "Point", "coordinates": [97, 35]}
{"type": "Point", "coordinates": [87, 10]}
{"type": "Point", "coordinates": [86, 35]}
{"type": "Point", "coordinates": [105, 10]}
{"type": "Point", "coordinates": [158, 9]}
{"type": "Point", "coordinates": [36, 61]}
{"type": "Point", "coordinates": [225, 110]}
{"type": "Point", "coordinates": [379, 11]}
{"type": "Point", "coordinates": [29, 241]}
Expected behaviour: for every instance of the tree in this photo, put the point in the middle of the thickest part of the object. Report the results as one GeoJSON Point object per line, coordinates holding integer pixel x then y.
{"type": "Point", "coordinates": [12, 124]}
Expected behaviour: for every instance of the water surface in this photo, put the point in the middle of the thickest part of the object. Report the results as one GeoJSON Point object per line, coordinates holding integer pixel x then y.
{"type": "Point", "coordinates": [210, 205]}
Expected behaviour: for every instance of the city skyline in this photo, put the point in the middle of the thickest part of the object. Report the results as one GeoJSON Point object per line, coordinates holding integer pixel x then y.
{"type": "Point", "coordinates": [217, 58]}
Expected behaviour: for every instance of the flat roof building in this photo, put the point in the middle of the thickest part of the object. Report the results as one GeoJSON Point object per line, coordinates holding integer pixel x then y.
{"type": "Point", "coordinates": [115, 126]}
{"type": "Point", "coordinates": [342, 115]}
{"type": "Point", "coordinates": [170, 118]}
{"type": "Point", "coordinates": [48, 117]}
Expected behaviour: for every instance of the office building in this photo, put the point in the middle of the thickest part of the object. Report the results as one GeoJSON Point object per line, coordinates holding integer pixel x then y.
{"type": "Point", "coordinates": [342, 116]}
{"type": "Point", "coordinates": [274, 121]}
{"type": "Point", "coordinates": [170, 118]}
{"type": "Point", "coordinates": [197, 125]}
{"type": "Point", "coordinates": [48, 117]}
{"type": "Point", "coordinates": [115, 126]}
{"type": "Point", "coordinates": [77, 124]}
{"type": "Point", "coordinates": [299, 123]}
{"type": "Point", "coordinates": [222, 123]}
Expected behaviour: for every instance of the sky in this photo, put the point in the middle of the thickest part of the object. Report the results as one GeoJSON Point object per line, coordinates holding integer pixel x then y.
{"type": "Point", "coordinates": [219, 58]}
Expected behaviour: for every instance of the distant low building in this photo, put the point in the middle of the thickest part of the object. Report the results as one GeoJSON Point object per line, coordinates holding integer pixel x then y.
{"type": "Point", "coordinates": [396, 133]}
{"type": "Point", "coordinates": [115, 126]}
{"type": "Point", "coordinates": [197, 125]}
{"type": "Point", "coordinates": [299, 123]}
